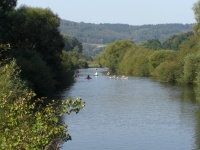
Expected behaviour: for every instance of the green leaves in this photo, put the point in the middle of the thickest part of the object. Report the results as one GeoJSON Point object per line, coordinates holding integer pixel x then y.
{"type": "Point", "coordinates": [114, 53]}
{"type": "Point", "coordinates": [26, 126]}
{"type": "Point", "coordinates": [27, 123]}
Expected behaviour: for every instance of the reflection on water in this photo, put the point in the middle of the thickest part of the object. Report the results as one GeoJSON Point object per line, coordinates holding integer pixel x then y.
{"type": "Point", "coordinates": [134, 114]}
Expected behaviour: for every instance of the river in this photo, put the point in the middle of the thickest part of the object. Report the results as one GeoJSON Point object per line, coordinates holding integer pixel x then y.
{"type": "Point", "coordinates": [134, 114]}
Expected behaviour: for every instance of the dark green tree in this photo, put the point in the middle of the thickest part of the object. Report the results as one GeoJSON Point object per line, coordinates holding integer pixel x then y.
{"type": "Point", "coordinates": [33, 36]}
{"type": "Point", "coordinates": [37, 29]}
{"type": "Point", "coordinates": [6, 6]}
{"type": "Point", "coordinates": [71, 43]}
{"type": "Point", "coordinates": [174, 41]}
{"type": "Point", "coordinates": [153, 44]}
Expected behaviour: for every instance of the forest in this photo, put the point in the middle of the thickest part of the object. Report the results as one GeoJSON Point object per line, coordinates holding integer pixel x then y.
{"type": "Point", "coordinates": [95, 37]}
{"type": "Point", "coordinates": [108, 33]}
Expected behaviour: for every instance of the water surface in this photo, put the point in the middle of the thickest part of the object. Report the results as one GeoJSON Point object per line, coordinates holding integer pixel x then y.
{"type": "Point", "coordinates": [134, 114]}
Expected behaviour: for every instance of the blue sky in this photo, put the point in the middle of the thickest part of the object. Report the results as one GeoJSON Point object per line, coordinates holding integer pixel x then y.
{"type": "Point", "coordinates": [133, 12]}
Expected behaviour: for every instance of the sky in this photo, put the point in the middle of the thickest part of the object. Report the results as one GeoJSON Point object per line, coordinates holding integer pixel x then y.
{"type": "Point", "coordinates": [132, 12]}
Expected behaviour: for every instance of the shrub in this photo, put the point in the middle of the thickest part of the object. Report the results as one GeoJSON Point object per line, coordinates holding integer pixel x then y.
{"type": "Point", "coordinates": [160, 56]}
{"type": "Point", "coordinates": [166, 71]}
{"type": "Point", "coordinates": [191, 68]}
{"type": "Point", "coordinates": [25, 123]}
{"type": "Point", "coordinates": [10, 81]}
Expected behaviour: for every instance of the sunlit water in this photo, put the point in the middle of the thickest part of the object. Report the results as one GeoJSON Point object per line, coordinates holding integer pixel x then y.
{"type": "Point", "coordinates": [134, 114]}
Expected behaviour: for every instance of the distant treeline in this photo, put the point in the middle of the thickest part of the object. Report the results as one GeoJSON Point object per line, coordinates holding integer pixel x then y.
{"type": "Point", "coordinates": [108, 33]}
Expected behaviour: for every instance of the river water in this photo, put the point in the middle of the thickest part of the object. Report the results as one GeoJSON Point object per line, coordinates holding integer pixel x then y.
{"type": "Point", "coordinates": [135, 114]}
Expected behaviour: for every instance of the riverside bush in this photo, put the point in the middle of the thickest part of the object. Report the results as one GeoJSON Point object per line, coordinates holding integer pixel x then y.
{"type": "Point", "coordinates": [10, 81]}
{"type": "Point", "coordinates": [166, 71]}
{"type": "Point", "coordinates": [157, 57]}
{"type": "Point", "coordinates": [136, 62]}
{"type": "Point", "coordinates": [25, 123]}
{"type": "Point", "coordinates": [191, 68]}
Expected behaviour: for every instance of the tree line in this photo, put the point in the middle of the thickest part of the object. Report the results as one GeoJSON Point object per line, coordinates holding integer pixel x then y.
{"type": "Point", "coordinates": [108, 33]}
{"type": "Point", "coordinates": [95, 37]}
{"type": "Point", "coordinates": [168, 65]}
{"type": "Point", "coordinates": [176, 60]}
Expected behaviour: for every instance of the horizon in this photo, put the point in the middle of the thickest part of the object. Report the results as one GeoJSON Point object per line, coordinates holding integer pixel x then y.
{"type": "Point", "coordinates": [127, 24]}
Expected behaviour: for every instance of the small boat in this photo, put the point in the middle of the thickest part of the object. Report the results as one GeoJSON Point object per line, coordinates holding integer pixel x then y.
{"type": "Point", "coordinates": [115, 78]}
{"type": "Point", "coordinates": [76, 71]}
{"type": "Point", "coordinates": [88, 77]}
{"type": "Point", "coordinates": [124, 78]}
{"type": "Point", "coordinates": [76, 75]}
{"type": "Point", "coordinates": [96, 74]}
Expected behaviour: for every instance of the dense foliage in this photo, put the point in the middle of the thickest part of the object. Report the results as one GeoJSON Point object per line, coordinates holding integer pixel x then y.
{"type": "Point", "coordinates": [24, 123]}
{"type": "Point", "coordinates": [175, 60]}
{"type": "Point", "coordinates": [72, 54]}
{"type": "Point", "coordinates": [114, 53]}
{"type": "Point", "coordinates": [93, 49]}
{"type": "Point", "coordinates": [95, 37]}
{"type": "Point", "coordinates": [39, 53]}
{"type": "Point", "coordinates": [32, 58]}
{"type": "Point", "coordinates": [109, 33]}
{"type": "Point", "coordinates": [71, 43]}
{"type": "Point", "coordinates": [175, 41]}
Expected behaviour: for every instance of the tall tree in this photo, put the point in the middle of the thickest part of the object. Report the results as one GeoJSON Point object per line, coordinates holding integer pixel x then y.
{"type": "Point", "coordinates": [196, 9]}
{"type": "Point", "coordinates": [6, 6]}
{"type": "Point", "coordinates": [153, 44]}
{"type": "Point", "coordinates": [34, 37]}
{"type": "Point", "coordinates": [114, 53]}
{"type": "Point", "coordinates": [37, 29]}
{"type": "Point", "coordinates": [71, 43]}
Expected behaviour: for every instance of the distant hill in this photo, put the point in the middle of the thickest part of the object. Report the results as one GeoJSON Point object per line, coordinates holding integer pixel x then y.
{"type": "Point", "coordinates": [108, 33]}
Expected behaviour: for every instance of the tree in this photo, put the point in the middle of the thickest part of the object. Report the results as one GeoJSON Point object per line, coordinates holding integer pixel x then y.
{"type": "Point", "coordinates": [25, 123]}
{"type": "Point", "coordinates": [114, 53]}
{"type": "Point", "coordinates": [46, 42]}
{"type": "Point", "coordinates": [71, 43]}
{"type": "Point", "coordinates": [175, 41]}
{"type": "Point", "coordinates": [153, 44]}
{"type": "Point", "coordinates": [6, 6]}
{"type": "Point", "coordinates": [191, 68]}
{"type": "Point", "coordinates": [136, 61]}
{"type": "Point", "coordinates": [46, 38]}
{"type": "Point", "coordinates": [196, 9]}
{"type": "Point", "coordinates": [158, 57]}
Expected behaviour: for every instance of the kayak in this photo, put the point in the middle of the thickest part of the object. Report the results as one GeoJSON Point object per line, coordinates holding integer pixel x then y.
{"type": "Point", "coordinates": [124, 78]}
{"type": "Point", "coordinates": [114, 78]}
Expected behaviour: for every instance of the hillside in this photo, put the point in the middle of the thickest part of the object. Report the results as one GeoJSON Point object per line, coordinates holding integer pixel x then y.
{"type": "Point", "coordinates": [108, 33]}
